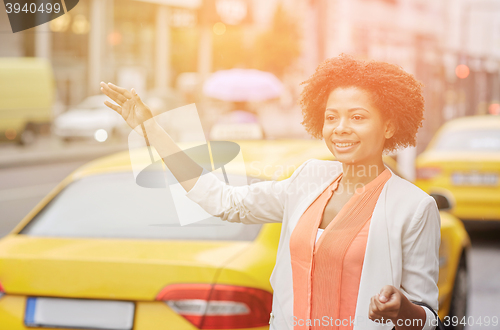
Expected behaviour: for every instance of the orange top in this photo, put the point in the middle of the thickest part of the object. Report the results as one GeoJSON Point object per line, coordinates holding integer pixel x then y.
{"type": "Point", "coordinates": [326, 274]}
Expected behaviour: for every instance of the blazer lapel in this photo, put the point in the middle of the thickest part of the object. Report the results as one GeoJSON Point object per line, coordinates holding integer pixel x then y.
{"type": "Point", "coordinates": [283, 269]}
{"type": "Point", "coordinates": [306, 202]}
{"type": "Point", "coordinates": [377, 269]}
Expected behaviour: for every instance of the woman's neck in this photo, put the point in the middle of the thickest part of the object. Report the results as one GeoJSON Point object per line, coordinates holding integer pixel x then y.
{"type": "Point", "coordinates": [361, 173]}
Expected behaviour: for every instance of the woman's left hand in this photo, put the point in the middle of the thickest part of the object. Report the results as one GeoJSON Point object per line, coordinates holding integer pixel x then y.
{"type": "Point", "coordinates": [386, 305]}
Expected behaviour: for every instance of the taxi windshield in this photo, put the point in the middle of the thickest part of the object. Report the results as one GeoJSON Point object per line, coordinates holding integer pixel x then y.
{"type": "Point", "coordinates": [469, 140]}
{"type": "Point", "coordinates": [112, 205]}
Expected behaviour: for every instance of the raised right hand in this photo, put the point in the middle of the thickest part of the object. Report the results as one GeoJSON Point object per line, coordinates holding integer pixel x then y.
{"type": "Point", "coordinates": [130, 105]}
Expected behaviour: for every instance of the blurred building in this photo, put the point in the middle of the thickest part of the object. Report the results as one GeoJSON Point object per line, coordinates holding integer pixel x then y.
{"type": "Point", "coordinates": [131, 42]}
{"type": "Point", "coordinates": [428, 38]}
{"type": "Point", "coordinates": [126, 41]}
{"type": "Point", "coordinates": [12, 44]}
{"type": "Point", "coordinates": [405, 32]}
{"type": "Point", "coordinates": [472, 41]}
{"type": "Point", "coordinates": [147, 43]}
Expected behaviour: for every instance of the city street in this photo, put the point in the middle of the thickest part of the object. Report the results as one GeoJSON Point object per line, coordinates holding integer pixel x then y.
{"type": "Point", "coordinates": [409, 87]}
{"type": "Point", "coordinates": [484, 267]}
{"type": "Point", "coordinates": [50, 149]}
{"type": "Point", "coordinates": [21, 188]}
{"type": "Point", "coordinates": [29, 172]}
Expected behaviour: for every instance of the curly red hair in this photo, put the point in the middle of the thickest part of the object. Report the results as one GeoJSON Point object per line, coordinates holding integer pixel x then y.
{"type": "Point", "coordinates": [395, 92]}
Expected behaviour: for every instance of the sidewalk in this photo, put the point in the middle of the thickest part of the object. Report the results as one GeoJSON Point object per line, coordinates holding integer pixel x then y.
{"type": "Point", "coordinates": [51, 150]}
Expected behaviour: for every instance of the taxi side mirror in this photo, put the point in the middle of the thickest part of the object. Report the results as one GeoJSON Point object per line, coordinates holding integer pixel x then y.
{"type": "Point", "coordinates": [442, 202]}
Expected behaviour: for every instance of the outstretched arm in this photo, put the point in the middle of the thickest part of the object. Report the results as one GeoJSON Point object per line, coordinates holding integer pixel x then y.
{"type": "Point", "coordinates": [138, 115]}
{"type": "Point", "coordinates": [260, 202]}
{"type": "Point", "coordinates": [256, 203]}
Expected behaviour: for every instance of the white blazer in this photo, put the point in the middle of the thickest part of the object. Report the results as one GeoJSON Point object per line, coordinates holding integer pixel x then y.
{"type": "Point", "coordinates": [402, 247]}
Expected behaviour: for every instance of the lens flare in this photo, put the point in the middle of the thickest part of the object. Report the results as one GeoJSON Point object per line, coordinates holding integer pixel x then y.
{"type": "Point", "coordinates": [101, 135]}
{"type": "Point", "coordinates": [462, 71]}
{"type": "Point", "coordinates": [219, 28]}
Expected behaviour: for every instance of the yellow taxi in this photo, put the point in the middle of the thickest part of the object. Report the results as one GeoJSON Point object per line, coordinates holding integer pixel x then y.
{"type": "Point", "coordinates": [461, 166]}
{"type": "Point", "coordinates": [102, 252]}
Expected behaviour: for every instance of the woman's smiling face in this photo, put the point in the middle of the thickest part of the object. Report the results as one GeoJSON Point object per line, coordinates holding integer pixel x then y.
{"type": "Point", "coordinates": [353, 128]}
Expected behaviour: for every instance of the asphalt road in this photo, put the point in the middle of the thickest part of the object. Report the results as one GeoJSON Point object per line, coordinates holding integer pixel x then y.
{"type": "Point", "coordinates": [484, 271]}
{"type": "Point", "coordinates": [21, 188]}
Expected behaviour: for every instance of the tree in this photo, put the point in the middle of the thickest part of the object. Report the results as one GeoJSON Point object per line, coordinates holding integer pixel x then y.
{"type": "Point", "coordinates": [276, 49]}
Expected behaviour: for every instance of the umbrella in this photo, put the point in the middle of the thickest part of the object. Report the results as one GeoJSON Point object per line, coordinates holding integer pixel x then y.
{"type": "Point", "coordinates": [241, 85]}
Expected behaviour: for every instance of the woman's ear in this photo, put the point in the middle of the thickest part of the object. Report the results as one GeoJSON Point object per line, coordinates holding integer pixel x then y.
{"type": "Point", "coordinates": [390, 129]}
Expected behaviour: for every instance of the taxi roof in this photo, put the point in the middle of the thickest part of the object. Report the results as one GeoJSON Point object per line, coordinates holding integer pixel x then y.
{"type": "Point", "coordinates": [264, 159]}
{"type": "Point", "coordinates": [472, 122]}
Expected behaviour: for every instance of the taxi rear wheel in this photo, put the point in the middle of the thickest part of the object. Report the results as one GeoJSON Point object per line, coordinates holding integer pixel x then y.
{"type": "Point", "coordinates": [458, 307]}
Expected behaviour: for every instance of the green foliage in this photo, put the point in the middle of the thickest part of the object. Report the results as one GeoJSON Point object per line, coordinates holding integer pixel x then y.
{"type": "Point", "coordinates": [277, 48]}
{"type": "Point", "coordinates": [228, 49]}
{"type": "Point", "coordinates": [273, 50]}
{"type": "Point", "coordinates": [184, 48]}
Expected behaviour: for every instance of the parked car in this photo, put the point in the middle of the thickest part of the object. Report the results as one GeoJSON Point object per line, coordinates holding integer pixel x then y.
{"type": "Point", "coordinates": [237, 123]}
{"type": "Point", "coordinates": [461, 166]}
{"type": "Point", "coordinates": [90, 119]}
{"type": "Point", "coordinates": [27, 93]}
{"type": "Point", "coordinates": [100, 251]}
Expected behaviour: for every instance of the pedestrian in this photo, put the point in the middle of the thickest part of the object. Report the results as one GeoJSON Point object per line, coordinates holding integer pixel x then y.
{"type": "Point", "coordinates": [359, 245]}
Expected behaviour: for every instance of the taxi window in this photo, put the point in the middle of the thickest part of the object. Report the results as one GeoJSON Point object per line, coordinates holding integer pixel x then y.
{"type": "Point", "coordinates": [112, 205]}
{"type": "Point", "coordinates": [469, 140]}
